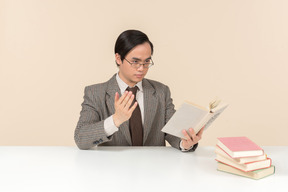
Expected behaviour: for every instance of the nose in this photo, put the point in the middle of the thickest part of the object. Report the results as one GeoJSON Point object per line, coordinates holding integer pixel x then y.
{"type": "Point", "coordinates": [141, 68]}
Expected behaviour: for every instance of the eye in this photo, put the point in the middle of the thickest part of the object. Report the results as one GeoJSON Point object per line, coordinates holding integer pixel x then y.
{"type": "Point", "coordinates": [148, 61]}
{"type": "Point", "coordinates": [135, 62]}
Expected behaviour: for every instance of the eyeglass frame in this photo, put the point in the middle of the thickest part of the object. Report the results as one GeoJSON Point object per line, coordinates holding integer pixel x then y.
{"type": "Point", "coordinates": [133, 64]}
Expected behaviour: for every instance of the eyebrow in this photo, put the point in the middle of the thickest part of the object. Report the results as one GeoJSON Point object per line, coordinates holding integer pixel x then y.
{"type": "Point", "coordinates": [135, 58]}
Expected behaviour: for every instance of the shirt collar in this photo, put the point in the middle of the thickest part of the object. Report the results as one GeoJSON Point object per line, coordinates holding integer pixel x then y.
{"type": "Point", "coordinates": [123, 86]}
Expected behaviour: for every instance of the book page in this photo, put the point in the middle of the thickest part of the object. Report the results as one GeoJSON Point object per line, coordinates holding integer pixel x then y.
{"type": "Point", "coordinates": [213, 116]}
{"type": "Point", "coordinates": [187, 116]}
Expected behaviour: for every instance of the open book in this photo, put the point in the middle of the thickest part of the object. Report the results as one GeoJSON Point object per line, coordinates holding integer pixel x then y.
{"type": "Point", "coordinates": [190, 115]}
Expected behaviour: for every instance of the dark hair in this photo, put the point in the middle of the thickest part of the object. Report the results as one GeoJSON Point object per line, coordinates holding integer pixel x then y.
{"type": "Point", "coordinates": [129, 39]}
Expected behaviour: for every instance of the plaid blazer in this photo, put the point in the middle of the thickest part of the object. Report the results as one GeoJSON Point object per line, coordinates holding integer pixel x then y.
{"type": "Point", "coordinates": [98, 105]}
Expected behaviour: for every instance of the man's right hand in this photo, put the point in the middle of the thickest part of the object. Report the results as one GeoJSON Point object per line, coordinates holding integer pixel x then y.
{"type": "Point", "coordinates": [123, 111]}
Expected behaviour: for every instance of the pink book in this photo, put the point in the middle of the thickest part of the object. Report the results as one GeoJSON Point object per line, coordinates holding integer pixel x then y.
{"type": "Point", "coordinates": [239, 147]}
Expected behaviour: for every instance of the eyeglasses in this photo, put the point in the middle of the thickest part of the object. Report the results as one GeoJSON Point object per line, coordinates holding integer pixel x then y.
{"type": "Point", "coordinates": [135, 63]}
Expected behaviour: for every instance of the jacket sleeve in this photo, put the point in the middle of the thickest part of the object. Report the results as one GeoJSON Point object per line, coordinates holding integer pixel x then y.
{"type": "Point", "coordinates": [89, 131]}
{"type": "Point", "coordinates": [170, 110]}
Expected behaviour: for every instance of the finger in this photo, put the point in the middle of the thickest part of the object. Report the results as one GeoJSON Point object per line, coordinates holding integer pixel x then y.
{"type": "Point", "coordinates": [192, 134]}
{"type": "Point", "coordinates": [130, 111]}
{"type": "Point", "coordinates": [126, 99]}
{"type": "Point", "coordinates": [186, 135]}
{"type": "Point", "coordinates": [129, 103]}
{"type": "Point", "coordinates": [184, 143]}
{"type": "Point", "coordinates": [122, 97]}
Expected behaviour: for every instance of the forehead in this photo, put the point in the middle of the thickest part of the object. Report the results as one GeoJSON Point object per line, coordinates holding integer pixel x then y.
{"type": "Point", "coordinates": [141, 51]}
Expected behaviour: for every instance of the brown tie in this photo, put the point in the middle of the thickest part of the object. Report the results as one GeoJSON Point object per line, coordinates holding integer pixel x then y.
{"type": "Point", "coordinates": [135, 122]}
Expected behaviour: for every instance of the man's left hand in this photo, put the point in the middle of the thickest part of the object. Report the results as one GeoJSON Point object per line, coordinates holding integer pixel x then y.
{"type": "Point", "coordinates": [191, 138]}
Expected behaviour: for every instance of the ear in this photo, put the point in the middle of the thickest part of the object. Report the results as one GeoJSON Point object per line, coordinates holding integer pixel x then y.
{"type": "Point", "coordinates": [118, 59]}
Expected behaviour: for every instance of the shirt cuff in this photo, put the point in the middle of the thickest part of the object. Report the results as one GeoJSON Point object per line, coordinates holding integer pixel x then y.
{"type": "Point", "coordinates": [109, 126]}
{"type": "Point", "coordinates": [183, 149]}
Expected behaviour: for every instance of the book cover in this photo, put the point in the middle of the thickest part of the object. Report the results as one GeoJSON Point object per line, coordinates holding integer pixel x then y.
{"type": "Point", "coordinates": [239, 147]}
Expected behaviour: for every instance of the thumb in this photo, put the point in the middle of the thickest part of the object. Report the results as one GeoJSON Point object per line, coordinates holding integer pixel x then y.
{"type": "Point", "coordinates": [116, 96]}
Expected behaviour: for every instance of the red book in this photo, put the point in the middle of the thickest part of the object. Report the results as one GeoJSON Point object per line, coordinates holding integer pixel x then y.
{"type": "Point", "coordinates": [239, 147]}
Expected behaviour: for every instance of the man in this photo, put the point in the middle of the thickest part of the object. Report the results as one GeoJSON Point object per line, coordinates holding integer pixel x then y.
{"type": "Point", "coordinates": [112, 115]}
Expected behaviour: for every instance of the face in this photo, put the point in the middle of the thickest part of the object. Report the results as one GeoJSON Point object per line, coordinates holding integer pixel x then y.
{"type": "Point", "coordinates": [131, 76]}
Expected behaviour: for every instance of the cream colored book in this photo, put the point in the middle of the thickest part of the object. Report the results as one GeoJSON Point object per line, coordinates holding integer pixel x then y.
{"type": "Point", "coordinates": [190, 115]}
{"type": "Point", "coordinates": [250, 166]}
{"type": "Point", "coordinates": [258, 174]}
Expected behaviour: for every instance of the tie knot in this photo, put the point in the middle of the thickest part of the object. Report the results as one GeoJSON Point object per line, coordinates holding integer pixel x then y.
{"type": "Point", "coordinates": [133, 89]}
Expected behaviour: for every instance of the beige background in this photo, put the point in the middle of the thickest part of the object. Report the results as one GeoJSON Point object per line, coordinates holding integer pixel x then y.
{"type": "Point", "coordinates": [234, 50]}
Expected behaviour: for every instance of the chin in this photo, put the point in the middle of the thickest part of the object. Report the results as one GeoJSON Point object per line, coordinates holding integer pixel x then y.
{"type": "Point", "coordinates": [138, 79]}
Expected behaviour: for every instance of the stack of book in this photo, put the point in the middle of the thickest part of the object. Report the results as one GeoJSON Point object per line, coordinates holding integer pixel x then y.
{"type": "Point", "coordinates": [241, 156]}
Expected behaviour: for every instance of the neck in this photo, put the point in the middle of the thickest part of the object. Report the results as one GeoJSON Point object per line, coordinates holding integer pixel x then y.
{"type": "Point", "coordinates": [129, 83]}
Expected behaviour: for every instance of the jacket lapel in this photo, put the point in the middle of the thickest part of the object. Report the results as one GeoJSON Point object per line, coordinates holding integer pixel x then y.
{"type": "Point", "coordinates": [150, 107]}
{"type": "Point", "coordinates": [112, 88]}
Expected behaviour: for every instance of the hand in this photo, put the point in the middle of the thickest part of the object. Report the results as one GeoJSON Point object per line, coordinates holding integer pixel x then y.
{"type": "Point", "coordinates": [191, 138]}
{"type": "Point", "coordinates": [123, 111]}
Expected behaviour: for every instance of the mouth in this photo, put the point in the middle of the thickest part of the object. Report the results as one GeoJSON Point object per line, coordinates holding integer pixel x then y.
{"type": "Point", "coordinates": [139, 75]}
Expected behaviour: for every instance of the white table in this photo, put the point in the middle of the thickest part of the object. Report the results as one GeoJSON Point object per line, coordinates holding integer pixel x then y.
{"type": "Point", "coordinates": [128, 169]}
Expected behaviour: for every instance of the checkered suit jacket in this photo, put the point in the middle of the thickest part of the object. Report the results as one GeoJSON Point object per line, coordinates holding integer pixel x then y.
{"type": "Point", "coordinates": [99, 104]}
